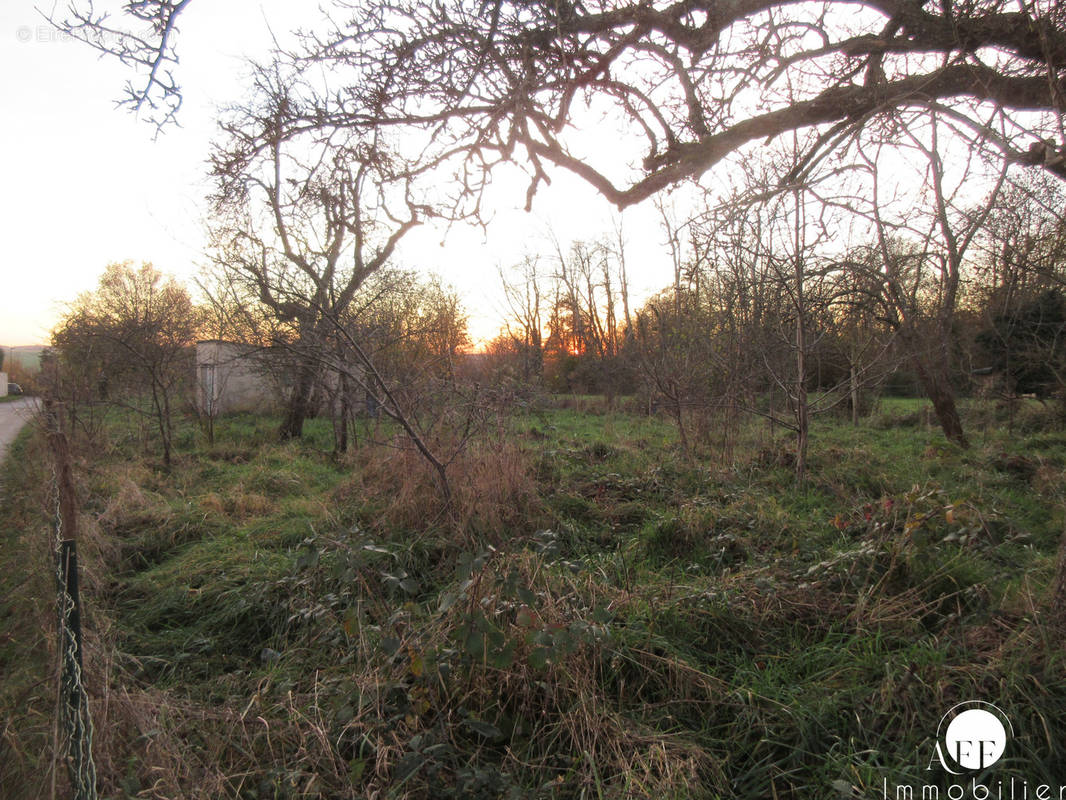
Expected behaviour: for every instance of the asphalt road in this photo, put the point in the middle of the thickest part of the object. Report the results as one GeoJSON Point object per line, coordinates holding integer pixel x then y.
{"type": "Point", "coordinates": [13, 415]}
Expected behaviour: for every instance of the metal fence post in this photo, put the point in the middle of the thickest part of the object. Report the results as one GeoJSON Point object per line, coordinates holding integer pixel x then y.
{"type": "Point", "coordinates": [74, 705]}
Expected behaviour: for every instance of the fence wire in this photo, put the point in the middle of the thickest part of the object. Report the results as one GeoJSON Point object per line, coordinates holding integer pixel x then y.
{"type": "Point", "coordinates": [73, 700]}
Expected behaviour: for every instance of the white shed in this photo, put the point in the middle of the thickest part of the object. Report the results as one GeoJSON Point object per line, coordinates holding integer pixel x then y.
{"type": "Point", "coordinates": [234, 377]}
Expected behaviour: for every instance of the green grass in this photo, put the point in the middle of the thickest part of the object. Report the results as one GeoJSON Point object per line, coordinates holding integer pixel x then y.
{"type": "Point", "coordinates": [660, 626]}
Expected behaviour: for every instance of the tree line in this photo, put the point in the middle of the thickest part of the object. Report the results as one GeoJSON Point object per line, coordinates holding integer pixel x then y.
{"type": "Point", "coordinates": [131, 344]}
{"type": "Point", "coordinates": [766, 317]}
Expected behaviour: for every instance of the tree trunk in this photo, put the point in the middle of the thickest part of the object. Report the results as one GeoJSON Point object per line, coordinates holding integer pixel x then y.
{"type": "Point", "coordinates": [937, 387]}
{"type": "Point", "coordinates": [292, 427]}
{"type": "Point", "coordinates": [934, 373]}
{"type": "Point", "coordinates": [802, 409]}
{"type": "Point", "coordinates": [168, 429]}
{"type": "Point", "coordinates": [803, 420]}
{"type": "Point", "coordinates": [340, 416]}
{"type": "Point", "coordinates": [162, 419]}
{"type": "Point", "coordinates": [853, 377]}
{"type": "Point", "coordinates": [679, 418]}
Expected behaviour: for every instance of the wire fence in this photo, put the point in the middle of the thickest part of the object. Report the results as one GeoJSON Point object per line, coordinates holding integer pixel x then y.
{"type": "Point", "coordinates": [75, 717]}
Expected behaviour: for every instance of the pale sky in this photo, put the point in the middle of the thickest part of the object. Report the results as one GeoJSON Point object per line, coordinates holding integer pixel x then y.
{"type": "Point", "coordinates": [86, 184]}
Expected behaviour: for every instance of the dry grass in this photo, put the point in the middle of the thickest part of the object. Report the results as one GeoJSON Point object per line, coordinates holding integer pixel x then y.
{"type": "Point", "coordinates": [492, 484]}
{"type": "Point", "coordinates": [286, 739]}
{"type": "Point", "coordinates": [29, 762]}
{"type": "Point", "coordinates": [238, 504]}
{"type": "Point", "coordinates": [589, 740]}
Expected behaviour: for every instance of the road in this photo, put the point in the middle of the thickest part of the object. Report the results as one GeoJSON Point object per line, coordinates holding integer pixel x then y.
{"type": "Point", "coordinates": [13, 415]}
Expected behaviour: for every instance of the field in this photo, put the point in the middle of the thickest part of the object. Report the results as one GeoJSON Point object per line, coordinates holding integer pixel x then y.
{"type": "Point", "coordinates": [594, 616]}
{"type": "Point", "coordinates": [28, 357]}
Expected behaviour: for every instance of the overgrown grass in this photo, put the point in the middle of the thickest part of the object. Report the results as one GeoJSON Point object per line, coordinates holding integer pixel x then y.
{"type": "Point", "coordinates": [594, 616]}
{"type": "Point", "coordinates": [27, 584]}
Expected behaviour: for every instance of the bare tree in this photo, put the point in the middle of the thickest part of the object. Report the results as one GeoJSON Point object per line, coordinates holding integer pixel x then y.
{"type": "Point", "coordinates": [478, 83]}
{"type": "Point", "coordinates": [862, 340]}
{"type": "Point", "coordinates": [393, 353]}
{"type": "Point", "coordinates": [148, 49]}
{"type": "Point", "coordinates": [673, 357]}
{"type": "Point", "coordinates": [303, 222]}
{"type": "Point", "coordinates": [1018, 292]}
{"type": "Point", "coordinates": [921, 257]}
{"type": "Point", "coordinates": [525, 300]}
{"type": "Point", "coordinates": [584, 293]}
{"type": "Point", "coordinates": [131, 340]}
{"type": "Point", "coordinates": [782, 299]}
{"type": "Point", "coordinates": [617, 248]}
{"type": "Point", "coordinates": [1021, 249]}
{"type": "Point", "coordinates": [783, 245]}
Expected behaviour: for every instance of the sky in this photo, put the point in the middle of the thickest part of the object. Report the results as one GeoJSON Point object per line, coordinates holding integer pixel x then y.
{"type": "Point", "coordinates": [85, 184]}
